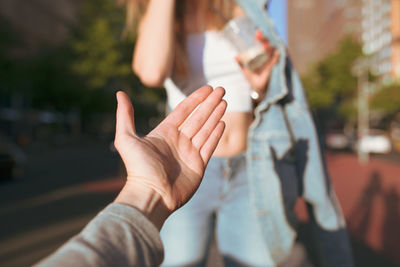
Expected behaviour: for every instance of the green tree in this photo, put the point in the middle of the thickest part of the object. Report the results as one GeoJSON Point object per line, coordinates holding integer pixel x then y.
{"type": "Point", "coordinates": [330, 85]}
{"type": "Point", "coordinates": [387, 100]}
{"type": "Point", "coordinates": [84, 72]}
{"type": "Point", "coordinates": [102, 60]}
{"type": "Point", "coordinates": [9, 66]}
{"type": "Point", "coordinates": [97, 44]}
{"type": "Point", "coordinates": [51, 84]}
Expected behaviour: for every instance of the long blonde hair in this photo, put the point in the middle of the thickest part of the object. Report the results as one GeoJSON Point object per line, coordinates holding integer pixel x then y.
{"type": "Point", "coordinates": [217, 12]}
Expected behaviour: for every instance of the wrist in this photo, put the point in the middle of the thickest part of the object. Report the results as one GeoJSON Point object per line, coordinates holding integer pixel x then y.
{"type": "Point", "coordinates": [144, 199]}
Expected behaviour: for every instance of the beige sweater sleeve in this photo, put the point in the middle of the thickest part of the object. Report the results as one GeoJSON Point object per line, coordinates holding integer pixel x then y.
{"type": "Point", "coordinates": [118, 236]}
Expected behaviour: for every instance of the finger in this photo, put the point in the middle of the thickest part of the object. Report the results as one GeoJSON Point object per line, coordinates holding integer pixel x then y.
{"type": "Point", "coordinates": [270, 64]}
{"type": "Point", "coordinates": [274, 59]}
{"type": "Point", "coordinates": [196, 121]}
{"type": "Point", "coordinates": [260, 36]}
{"type": "Point", "coordinates": [266, 71]}
{"type": "Point", "coordinates": [125, 115]}
{"type": "Point", "coordinates": [237, 59]}
{"type": "Point", "coordinates": [209, 147]}
{"type": "Point", "coordinates": [186, 107]}
{"type": "Point", "coordinates": [264, 40]}
{"type": "Point", "coordinates": [201, 137]}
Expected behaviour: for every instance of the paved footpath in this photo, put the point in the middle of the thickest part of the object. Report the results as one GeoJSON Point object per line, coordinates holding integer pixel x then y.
{"type": "Point", "coordinates": [34, 225]}
{"type": "Point", "coordinates": [370, 199]}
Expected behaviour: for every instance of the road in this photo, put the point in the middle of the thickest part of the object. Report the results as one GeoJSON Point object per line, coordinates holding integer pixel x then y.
{"type": "Point", "coordinates": [64, 187]}
{"type": "Point", "coordinates": [61, 190]}
{"type": "Point", "coordinates": [370, 199]}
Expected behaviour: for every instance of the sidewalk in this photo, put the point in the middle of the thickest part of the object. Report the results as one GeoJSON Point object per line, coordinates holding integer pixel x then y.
{"type": "Point", "coordinates": [370, 198]}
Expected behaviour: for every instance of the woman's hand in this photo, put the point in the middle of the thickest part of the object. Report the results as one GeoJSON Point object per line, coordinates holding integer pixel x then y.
{"type": "Point", "coordinates": [259, 78]}
{"type": "Point", "coordinates": [165, 168]}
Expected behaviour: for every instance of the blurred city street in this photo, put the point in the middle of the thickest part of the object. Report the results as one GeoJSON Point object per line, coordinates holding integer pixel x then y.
{"type": "Point", "coordinates": [58, 194]}
{"type": "Point", "coordinates": [62, 62]}
{"type": "Point", "coordinates": [43, 208]}
{"type": "Point", "coordinates": [370, 198]}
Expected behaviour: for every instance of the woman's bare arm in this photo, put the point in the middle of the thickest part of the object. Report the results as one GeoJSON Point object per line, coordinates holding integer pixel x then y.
{"type": "Point", "coordinates": [154, 49]}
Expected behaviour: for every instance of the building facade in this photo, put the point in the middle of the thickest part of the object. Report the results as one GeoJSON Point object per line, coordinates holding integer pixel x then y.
{"type": "Point", "coordinates": [38, 22]}
{"type": "Point", "coordinates": [316, 26]}
{"type": "Point", "coordinates": [395, 29]}
{"type": "Point", "coordinates": [381, 37]}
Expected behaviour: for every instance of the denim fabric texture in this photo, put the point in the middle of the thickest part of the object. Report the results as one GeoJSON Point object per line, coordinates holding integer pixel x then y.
{"type": "Point", "coordinates": [273, 196]}
{"type": "Point", "coordinates": [221, 204]}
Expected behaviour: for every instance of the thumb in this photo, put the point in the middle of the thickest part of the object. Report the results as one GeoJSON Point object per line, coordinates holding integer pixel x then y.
{"type": "Point", "coordinates": [239, 62]}
{"type": "Point", "coordinates": [272, 62]}
{"type": "Point", "coordinates": [125, 116]}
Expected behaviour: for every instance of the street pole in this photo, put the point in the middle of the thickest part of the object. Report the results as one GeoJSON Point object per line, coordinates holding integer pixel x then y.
{"type": "Point", "coordinates": [363, 116]}
{"type": "Point", "coordinates": [361, 69]}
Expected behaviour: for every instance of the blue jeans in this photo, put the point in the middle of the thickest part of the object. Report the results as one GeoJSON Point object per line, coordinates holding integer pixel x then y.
{"type": "Point", "coordinates": [222, 205]}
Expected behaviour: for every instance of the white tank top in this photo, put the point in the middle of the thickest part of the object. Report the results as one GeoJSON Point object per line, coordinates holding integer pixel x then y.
{"type": "Point", "coordinates": [211, 61]}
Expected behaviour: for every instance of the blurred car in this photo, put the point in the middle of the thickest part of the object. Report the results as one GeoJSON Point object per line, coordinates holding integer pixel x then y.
{"type": "Point", "coordinates": [376, 141]}
{"type": "Point", "coordinates": [338, 141]}
{"type": "Point", "coordinates": [395, 135]}
{"type": "Point", "coordinates": [7, 165]}
{"type": "Point", "coordinates": [12, 159]}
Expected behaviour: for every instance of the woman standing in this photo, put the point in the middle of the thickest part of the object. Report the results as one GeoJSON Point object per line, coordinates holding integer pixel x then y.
{"type": "Point", "coordinates": [243, 197]}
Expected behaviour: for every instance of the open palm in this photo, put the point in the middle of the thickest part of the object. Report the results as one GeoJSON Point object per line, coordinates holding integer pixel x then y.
{"type": "Point", "coordinates": [172, 158]}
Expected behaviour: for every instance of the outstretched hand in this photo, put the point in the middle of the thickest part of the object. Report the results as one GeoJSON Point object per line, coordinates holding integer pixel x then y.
{"type": "Point", "coordinates": [259, 78]}
{"type": "Point", "coordinates": [165, 168]}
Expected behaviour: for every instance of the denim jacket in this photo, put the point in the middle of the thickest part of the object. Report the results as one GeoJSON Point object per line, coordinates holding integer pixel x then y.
{"type": "Point", "coordinates": [276, 179]}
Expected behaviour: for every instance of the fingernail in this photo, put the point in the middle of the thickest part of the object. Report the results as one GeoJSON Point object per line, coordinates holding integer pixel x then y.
{"type": "Point", "coordinates": [259, 35]}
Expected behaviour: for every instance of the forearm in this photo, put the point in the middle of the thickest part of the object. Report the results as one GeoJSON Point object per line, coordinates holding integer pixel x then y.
{"type": "Point", "coordinates": [118, 236]}
{"type": "Point", "coordinates": [146, 200]}
{"type": "Point", "coordinates": [154, 49]}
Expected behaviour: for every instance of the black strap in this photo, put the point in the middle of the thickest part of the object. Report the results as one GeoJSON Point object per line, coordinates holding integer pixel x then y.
{"type": "Point", "coordinates": [288, 125]}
